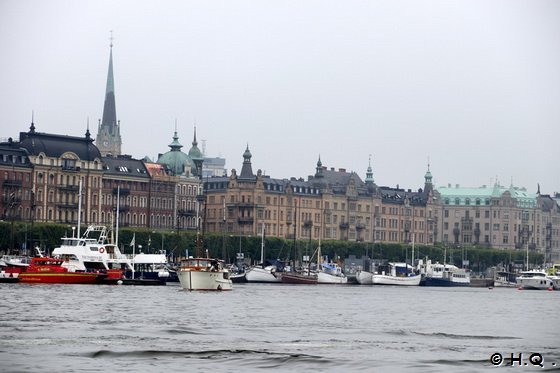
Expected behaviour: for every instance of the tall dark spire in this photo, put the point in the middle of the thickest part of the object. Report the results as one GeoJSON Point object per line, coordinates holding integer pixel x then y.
{"type": "Point", "coordinates": [109, 138]}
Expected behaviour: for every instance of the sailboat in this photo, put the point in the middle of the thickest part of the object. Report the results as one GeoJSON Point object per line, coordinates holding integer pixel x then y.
{"type": "Point", "coordinates": [266, 271]}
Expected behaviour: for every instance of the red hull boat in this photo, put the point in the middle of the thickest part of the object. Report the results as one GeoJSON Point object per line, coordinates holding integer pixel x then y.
{"type": "Point", "coordinates": [47, 270]}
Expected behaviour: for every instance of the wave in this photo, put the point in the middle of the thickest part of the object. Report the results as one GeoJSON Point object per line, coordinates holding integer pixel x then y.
{"type": "Point", "coordinates": [465, 336]}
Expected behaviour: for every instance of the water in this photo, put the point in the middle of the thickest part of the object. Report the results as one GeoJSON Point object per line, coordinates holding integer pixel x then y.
{"type": "Point", "coordinates": [322, 328]}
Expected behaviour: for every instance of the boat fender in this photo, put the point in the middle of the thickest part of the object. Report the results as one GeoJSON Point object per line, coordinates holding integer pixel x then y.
{"type": "Point", "coordinates": [101, 250]}
{"type": "Point", "coordinates": [219, 287]}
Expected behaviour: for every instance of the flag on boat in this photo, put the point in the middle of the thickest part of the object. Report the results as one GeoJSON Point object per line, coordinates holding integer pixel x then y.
{"type": "Point", "coordinates": [133, 240]}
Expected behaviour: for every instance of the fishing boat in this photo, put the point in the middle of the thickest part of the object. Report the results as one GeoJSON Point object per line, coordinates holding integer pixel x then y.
{"type": "Point", "coordinates": [48, 270]}
{"type": "Point", "coordinates": [331, 273]}
{"type": "Point", "coordinates": [436, 274]}
{"type": "Point", "coordinates": [534, 280]}
{"type": "Point", "coordinates": [204, 274]}
{"type": "Point", "coordinates": [302, 277]}
{"type": "Point", "coordinates": [396, 274]}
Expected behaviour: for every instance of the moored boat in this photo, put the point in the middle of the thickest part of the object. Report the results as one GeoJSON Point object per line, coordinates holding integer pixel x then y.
{"type": "Point", "coordinates": [364, 277]}
{"type": "Point", "coordinates": [299, 278]}
{"type": "Point", "coordinates": [534, 280]}
{"type": "Point", "coordinates": [271, 273]}
{"type": "Point", "coordinates": [203, 274]}
{"type": "Point", "coordinates": [397, 274]}
{"type": "Point", "coordinates": [436, 274]}
{"type": "Point", "coordinates": [49, 270]}
{"type": "Point", "coordinates": [331, 273]}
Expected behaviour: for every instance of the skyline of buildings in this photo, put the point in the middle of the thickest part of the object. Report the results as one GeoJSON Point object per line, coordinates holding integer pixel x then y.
{"type": "Point", "coordinates": [45, 177]}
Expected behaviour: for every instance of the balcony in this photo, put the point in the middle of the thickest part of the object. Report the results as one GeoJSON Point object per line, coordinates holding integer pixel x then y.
{"type": "Point", "coordinates": [343, 225]}
{"type": "Point", "coordinates": [307, 224]}
{"type": "Point", "coordinates": [122, 191]}
{"type": "Point", "coordinates": [186, 212]}
{"type": "Point", "coordinates": [66, 205]}
{"type": "Point", "coordinates": [70, 188]}
{"type": "Point", "coordinates": [360, 226]}
{"type": "Point", "coordinates": [245, 220]}
{"type": "Point", "coordinates": [11, 200]}
{"type": "Point", "coordinates": [70, 168]}
{"type": "Point", "coordinates": [12, 183]}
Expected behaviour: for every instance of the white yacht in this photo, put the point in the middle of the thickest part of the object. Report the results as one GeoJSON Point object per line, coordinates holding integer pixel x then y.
{"type": "Point", "coordinates": [534, 280]}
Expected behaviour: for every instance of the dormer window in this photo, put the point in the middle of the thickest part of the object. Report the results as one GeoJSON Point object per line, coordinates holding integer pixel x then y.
{"type": "Point", "coordinates": [68, 164]}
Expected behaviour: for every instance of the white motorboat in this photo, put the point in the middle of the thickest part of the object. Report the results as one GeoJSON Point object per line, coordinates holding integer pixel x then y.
{"type": "Point", "coordinates": [331, 273]}
{"type": "Point", "coordinates": [397, 274]}
{"type": "Point", "coordinates": [204, 274]}
{"type": "Point", "coordinates": [534, 280]}
{"type": "Point", "coordinates": [92, 252]}
{"type": "Point", "coordinates": [264, 274]}
{"type": "Point", "coordinates": [364, 277]}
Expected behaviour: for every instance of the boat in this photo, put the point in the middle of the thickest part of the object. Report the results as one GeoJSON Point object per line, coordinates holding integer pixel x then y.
{"type": "Point", "coordinates": [267, 271]}
{"type": "Point", "coordinates": [93, 252]}
{"type": "Point", "coordinates": [534, 279]}
{"type": "Point", "coordinates": [271, 271]}
{"type": "Point", "coordinates": [48, 270]}
{"type": "Point", "coordinates": [396, 274]}
{"type": "Point", "coordinates": [301, 277]}
{"type": "Point", "coordinates": [152, 267]}
{"type": "Point", "coordinates": [436, 274]}
{"type": "Point", "coordinates": [204, 274]}
{"type": "Point", "coordinates": [364, 277]}
{"type": "Point", "coordinates": [505, 279]}
{"type": "Point", "coordinates": [331, 273]}
{"type": "Point", "coordinates": [8, 276]}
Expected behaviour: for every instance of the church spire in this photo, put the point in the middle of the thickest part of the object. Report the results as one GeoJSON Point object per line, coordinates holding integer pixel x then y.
{"type": "Point", "coordinates": [109, 138]}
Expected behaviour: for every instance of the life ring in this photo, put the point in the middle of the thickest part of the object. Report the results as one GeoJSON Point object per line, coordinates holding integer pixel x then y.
{"type": "Point", "coordinates": [101, 250]}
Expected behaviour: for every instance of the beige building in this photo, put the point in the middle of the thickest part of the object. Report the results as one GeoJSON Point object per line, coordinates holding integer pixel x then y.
{"type": "Point", "coordinates": [332, 204]}
{"type": "Point", "coordinates": [499, 217]}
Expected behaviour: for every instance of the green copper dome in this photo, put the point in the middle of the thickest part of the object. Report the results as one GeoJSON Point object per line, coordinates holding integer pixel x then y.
{"type": "Point", "coordinates": [175, 159]}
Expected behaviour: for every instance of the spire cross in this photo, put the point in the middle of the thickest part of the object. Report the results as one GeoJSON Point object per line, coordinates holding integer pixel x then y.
{"type": "Point", "coordinates": [111, 38]}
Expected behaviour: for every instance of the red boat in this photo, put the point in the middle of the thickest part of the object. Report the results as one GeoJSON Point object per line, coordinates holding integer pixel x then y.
{"type": "Point", "coordinates": [47, 270]}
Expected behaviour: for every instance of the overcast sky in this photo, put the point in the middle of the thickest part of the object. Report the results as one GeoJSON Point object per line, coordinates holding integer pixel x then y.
{"type": "Point", "coordinates": [471, 86]}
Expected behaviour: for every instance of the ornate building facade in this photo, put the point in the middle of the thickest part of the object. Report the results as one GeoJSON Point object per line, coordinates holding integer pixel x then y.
{"type": "Point", "coordinates": [332, 204]}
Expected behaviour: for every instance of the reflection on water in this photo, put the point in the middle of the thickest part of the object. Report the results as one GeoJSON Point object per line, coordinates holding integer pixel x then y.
{"type": "Point", "coordinates": [322, 328]}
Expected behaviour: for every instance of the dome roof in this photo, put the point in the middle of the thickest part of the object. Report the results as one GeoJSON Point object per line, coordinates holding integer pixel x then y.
{"type": "Point", "coordinates": [175, 159]}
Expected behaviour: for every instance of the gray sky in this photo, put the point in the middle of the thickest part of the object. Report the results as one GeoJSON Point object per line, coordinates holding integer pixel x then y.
{"type": "Point", "coordinates": [473, 86]}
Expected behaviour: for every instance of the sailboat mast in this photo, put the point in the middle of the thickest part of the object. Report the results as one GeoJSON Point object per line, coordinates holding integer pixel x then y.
{"type": "Point", "coordinates": [79, 206]}
{"type": "Point", "coordinates": [262, 244]}
{"type": "Point", "coordinates": [117, 225]}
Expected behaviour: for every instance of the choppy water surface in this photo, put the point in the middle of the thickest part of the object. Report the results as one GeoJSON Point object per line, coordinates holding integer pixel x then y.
{"type": "Point", "coordinates": [323, 328]}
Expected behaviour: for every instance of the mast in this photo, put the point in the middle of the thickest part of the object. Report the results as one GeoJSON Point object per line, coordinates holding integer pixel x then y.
{"type": "Point", "coordinates": [117, 225]}
{"type": "Point", "coordinates": [79, 206]}
{"type": "Point", "coordinates": [262, 243]}
{"type": "Point", "coordinates": [295, 231]}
